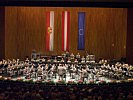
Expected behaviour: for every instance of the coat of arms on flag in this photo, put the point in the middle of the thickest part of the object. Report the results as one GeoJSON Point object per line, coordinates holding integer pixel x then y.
{"type": "Point", "coordinates": [50, 31]}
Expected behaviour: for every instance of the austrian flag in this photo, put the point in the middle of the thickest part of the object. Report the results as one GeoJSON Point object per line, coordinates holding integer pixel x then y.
{"type": "Point", "coordinates": [50, 31]}
{"type": "Point", "coordinates": [65, 30]}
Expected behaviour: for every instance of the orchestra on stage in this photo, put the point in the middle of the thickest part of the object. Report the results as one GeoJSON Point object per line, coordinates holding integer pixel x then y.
{"type": "Point", "coordinates": [65, 66]}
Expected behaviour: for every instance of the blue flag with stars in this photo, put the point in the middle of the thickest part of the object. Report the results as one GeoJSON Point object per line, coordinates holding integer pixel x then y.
{"type": "Point", "coordinates": [81, 30]}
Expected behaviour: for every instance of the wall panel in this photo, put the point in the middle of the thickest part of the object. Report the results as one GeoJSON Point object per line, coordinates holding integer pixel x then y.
{"type": "Point", "coordinates": [129, 52]}
{"type": "Point", "coordinates": [105, 34]}
{"type": "Point", "coordinates": [2, 32]}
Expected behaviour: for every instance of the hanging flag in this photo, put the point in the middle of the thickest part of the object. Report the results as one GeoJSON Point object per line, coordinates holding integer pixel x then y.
{"type": "Point", "coordinates": [65, 30]}
{"type": "Point", "coordinates": [50, 31]}
{"type": "Point", "coordinates": [81, 30]}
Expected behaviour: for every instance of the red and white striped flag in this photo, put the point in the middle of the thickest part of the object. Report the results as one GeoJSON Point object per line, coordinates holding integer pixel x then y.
{"type": "Point", "coordinates": [65, 30]}
{"type": "Point", "coordinates": [50, 31]}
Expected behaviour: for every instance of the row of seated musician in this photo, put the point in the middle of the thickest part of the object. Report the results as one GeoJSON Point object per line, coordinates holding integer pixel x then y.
{"type": "Point", "coordinates": [65, 56]}
{"type": "Point", "coordinates": [16, 66]}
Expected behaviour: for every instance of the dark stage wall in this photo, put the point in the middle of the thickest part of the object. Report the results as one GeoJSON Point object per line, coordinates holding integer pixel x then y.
{"type": "Point", "coordinates": [105, 34]}
{"type": "Point", "coordinates": [2, 32]}
{"type": "Point", "coordinates": [129, 50]}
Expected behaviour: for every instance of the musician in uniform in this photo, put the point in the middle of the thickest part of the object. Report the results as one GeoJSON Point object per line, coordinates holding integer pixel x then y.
{"type": "Point", "coordinates": [76, 61]}
{"type": "Point", "coordinates": [84, 74]}
{"type": "Point", "coordinates": [70, 69]}
{"type": "Point", "coordinates": [43, 60]}
{"type": "Point", "coordinates": [39, 71]}
{"type": "Point", "coordinates": [54, 70]}
{"type": "Point", "coordinates": [72, 57]}
{"type": "Point", "coordinates": [33, 71]}
{"type": "Point", "coordinates": [87, 59]}
{"type": "Point", "coordinates": [74, 71]}
{"type": "Point", "coordinates": [69, 61]}
{"type": "Point", "coordinates": [67, 54]}
{"type": "Point", "coordinates": [55, 60]}
{"type": "Point", "coordinates": [33, 54]}
{"type": "Point", "coordinates": [83, 60]}
{"type": "Point", "coordinates": [27, 60]}
{"type": "Point", "coordinates": [61, 71]}
{"type": "Point", "coordinates": [62, 60]}
{"type": "Point", "coordinates": [10, 70]}
{"type": "Point", "coordinates": [78, 57]}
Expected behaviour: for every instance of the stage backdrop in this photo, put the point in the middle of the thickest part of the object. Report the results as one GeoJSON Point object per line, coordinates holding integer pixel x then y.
{"type": "Point", "coordinates": [2, 32]}
{"type": "Point", "coordinates": [105, 31]}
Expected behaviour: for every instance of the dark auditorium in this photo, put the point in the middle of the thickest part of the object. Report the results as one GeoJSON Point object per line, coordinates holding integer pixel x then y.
{"type": "Point", "coordinates": [66, 49]}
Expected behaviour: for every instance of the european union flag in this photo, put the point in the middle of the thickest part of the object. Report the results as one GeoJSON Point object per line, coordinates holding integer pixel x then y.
{"type": "Point", "coordinates": [81, 30]}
